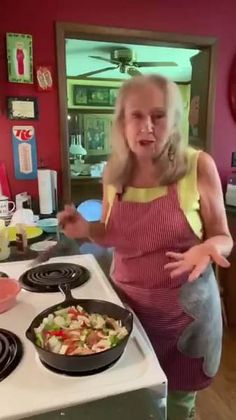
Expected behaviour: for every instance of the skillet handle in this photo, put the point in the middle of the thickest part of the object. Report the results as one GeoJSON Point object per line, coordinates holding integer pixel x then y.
{"type": "Point", "coordinates": [66, 291]}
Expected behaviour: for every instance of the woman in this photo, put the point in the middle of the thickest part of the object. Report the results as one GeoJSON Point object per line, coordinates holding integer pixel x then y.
{"type": "Point", "coordinates": [163, 213]}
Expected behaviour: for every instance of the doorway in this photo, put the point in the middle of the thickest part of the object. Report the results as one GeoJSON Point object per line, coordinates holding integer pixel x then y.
{"type": "Point", "coordinates": [87, 91]}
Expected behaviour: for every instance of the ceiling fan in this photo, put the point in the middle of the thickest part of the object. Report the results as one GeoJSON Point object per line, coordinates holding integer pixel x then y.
{"type": "Point", "coordinates": [125, 60]}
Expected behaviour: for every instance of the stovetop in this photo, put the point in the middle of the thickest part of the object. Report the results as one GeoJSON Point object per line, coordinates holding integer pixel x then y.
{"type": "Point", "coordinates": [46, 278]}
{"type": "Point", "coordinates": [31, 388]}
{"type": "Point", "coordinates": [11, 351]}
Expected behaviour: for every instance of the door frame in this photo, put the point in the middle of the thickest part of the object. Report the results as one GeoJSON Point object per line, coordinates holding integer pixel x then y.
{"type": "Point", "coordinates": [102, 33]}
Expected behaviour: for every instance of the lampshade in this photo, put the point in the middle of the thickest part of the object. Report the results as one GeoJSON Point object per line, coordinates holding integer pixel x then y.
{"type": "Point", "coordinates": [77, 149]}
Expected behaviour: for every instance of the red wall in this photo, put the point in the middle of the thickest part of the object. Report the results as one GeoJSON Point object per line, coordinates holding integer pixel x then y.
{"type": "Point", "coordinates": [182, 16]}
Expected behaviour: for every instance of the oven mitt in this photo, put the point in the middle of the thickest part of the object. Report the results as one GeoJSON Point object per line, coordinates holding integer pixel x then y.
{"type": "Point", "coordinates": [203, 336]}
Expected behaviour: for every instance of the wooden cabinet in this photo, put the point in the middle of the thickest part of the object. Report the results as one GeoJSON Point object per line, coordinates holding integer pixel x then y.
{"type": "Point", "coordinates": [228, 276]}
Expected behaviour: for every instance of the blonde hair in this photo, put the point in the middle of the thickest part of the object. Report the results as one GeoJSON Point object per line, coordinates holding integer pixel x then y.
{"type": "Point", "coordinates": [173, 158]}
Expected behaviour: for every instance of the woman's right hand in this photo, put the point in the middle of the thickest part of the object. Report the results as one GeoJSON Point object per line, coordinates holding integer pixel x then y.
{"type": "Point", "coordinates": [72, 223]}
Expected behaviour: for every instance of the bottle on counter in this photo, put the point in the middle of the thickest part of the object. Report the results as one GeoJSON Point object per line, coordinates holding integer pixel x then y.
{"type": "Point", "coordinates": [21, 238]}
{"type": "Point", "coordinates": [4, 241]}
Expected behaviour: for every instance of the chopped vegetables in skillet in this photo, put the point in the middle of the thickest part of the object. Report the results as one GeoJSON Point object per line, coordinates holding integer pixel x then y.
{"type": "Point", "coordinates": [72, 331]}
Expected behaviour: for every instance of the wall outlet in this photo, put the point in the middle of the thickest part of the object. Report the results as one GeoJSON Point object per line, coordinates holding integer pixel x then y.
{"type": "Point", "coordinates": [233, 160]}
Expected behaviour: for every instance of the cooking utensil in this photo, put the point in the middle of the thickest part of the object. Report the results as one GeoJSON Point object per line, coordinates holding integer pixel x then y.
{"type": "Point", "coordinates": [87, 363]}
{"type": "Point", "coordinates": [51, 252]}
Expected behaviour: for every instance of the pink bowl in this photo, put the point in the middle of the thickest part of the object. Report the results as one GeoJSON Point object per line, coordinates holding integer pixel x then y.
{"type": "Point", "coordinates": [9, 289]}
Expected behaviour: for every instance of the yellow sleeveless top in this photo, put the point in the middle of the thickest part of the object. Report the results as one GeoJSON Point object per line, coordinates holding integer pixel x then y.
{"type": "Point", "coordinates": [189, 198]}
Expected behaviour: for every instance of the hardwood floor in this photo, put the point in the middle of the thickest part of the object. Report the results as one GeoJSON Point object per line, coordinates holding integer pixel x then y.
{"type": "Point", "coordinates": [218, 402]}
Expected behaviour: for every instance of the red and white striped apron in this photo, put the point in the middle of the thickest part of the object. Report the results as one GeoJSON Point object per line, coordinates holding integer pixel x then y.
{"type": "Point", "coordinates": [141, 234]}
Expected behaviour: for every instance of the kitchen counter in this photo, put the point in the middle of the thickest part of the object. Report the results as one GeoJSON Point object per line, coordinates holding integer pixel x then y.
{"type": "Point", "coordinates": [137, 405]}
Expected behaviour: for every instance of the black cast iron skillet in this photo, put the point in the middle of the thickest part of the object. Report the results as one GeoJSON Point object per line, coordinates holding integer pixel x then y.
{"type": "Point", "coordinates": [86, 363]}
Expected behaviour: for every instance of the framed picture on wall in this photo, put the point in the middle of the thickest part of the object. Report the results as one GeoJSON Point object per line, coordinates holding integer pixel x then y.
{"type": "Point", "coordinates": [19, 58]}
{"type": "Point", "coordinates": [113, 95]}
{"type": "Point", "coordinates": [97, 129]}
{"type": "Point", "coordinates": [98, 96]}
{"type": "Point", "coordinates": [22, 108]}
{"type": "Point", "coordinates": [80, 95]}
{"type": "Point", "coordinates": [94, 96]}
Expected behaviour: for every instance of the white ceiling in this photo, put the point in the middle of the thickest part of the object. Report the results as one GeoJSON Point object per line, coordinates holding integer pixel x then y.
{"type": "Point", "coordinates": [78, 60]}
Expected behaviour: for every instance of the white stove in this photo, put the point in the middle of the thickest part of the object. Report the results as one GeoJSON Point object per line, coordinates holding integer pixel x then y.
{"type": "Point", "coordinates": [33, 389]}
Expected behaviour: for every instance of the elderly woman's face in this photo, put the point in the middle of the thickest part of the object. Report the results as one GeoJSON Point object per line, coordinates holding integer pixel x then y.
{"type": "Point", "coordinates": [145, 120]}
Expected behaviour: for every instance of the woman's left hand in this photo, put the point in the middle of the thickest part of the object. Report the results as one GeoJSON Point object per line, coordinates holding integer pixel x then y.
{"type": "Point", "coordinates": [195, 261]}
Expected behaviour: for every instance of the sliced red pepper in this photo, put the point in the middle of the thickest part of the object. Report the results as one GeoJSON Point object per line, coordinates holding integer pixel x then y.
{"type": "Point", "coordinates": [71, 347]}
{"type": "Point", "coordinates": [74, 312]}
{"type": "Point", "coordinates": [57, 333]}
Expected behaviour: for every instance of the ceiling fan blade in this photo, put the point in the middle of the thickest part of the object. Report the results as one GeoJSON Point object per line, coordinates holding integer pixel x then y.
{"type": "Point", "coordinates": [155, 64]}
{"type": "Point", "coordinates": [103, 59]}
{"type": "Point", "coordinates": [91, 73]}
{"type": "Point", "coordinates": [132, 71]}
